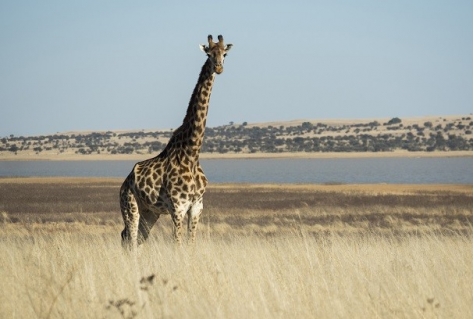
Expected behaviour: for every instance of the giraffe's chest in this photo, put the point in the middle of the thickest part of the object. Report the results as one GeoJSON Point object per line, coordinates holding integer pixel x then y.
{"type": "Point", "coordinates": [185, 181]}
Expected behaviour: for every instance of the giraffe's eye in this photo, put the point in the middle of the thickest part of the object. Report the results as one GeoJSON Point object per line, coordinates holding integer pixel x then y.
{"type": "Point", "coordinates": [225, 54]}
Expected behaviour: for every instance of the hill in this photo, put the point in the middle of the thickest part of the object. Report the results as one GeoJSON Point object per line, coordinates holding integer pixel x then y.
{"type": "Point", "coordinates": [369, 136]}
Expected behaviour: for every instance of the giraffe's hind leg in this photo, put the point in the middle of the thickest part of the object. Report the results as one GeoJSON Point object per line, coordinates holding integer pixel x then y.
{"type": "Point", "coordinates": [131, 218]}
{"type": "Point", "coordinates": [148, 218]}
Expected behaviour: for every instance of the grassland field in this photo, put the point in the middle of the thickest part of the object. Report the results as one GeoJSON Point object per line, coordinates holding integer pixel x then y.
{"type": "Point", "coordinates": [262, 251]}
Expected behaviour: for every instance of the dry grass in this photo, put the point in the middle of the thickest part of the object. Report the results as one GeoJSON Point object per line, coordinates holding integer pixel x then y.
{"type": "Point", "coordinates": [87, 275]}
{"type": "Point", "coordinates": [311, 251]}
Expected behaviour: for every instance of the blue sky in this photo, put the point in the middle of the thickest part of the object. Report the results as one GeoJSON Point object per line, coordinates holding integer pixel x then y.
{"type": "Point", "coordinates": [108, 65]}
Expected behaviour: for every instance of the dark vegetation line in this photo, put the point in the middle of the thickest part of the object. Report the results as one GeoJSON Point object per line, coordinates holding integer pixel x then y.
{"type": "Point", "coordinates": [242, 138]}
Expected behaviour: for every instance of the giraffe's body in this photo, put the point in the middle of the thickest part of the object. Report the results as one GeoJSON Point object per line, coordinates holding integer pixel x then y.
{"type": "Point", "coordinates": [173, 182]}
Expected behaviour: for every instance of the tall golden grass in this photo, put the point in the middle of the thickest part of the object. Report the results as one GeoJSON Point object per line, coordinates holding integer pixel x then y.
{"type": "Point", "coordinates": [263, 251]}
{"type": "Point", "coordinates": [82, 272]}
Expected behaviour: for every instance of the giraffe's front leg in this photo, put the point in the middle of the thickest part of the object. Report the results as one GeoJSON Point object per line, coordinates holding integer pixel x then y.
{"type": "Point", "coordinates": [177, 216]}
{"type": "Point", "coordinates": [194, 214]}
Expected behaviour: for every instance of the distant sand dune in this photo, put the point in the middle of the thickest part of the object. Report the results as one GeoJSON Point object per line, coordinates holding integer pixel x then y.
{"type": "Point", "coordinates": [54, 149]}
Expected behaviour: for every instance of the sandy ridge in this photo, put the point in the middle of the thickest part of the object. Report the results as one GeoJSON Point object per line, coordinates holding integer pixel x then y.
{"type": "Point", "coordinates": [454, 120]}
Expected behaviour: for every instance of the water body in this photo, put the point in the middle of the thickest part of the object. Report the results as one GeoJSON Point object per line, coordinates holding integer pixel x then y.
{"type": "Point", "coordinates": [455, 170]}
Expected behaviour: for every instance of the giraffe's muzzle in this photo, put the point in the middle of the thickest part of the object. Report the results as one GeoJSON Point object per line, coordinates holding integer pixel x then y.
{"type": "Point", "coordinates": [219, 69]}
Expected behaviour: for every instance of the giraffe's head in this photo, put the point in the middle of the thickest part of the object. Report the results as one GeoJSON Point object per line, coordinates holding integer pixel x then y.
{"type": "Point", "coordinates": [216, 52]}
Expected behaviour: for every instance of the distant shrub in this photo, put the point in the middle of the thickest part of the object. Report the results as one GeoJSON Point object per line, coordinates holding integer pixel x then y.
{"type": "Point", "coordinates": [394, 120]}
{"type": "Point", "coordinates": [13, 148]}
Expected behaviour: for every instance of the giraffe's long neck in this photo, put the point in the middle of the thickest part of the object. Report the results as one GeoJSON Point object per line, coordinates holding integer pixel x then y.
{"type": "Point", "coordinates": [189, 136]}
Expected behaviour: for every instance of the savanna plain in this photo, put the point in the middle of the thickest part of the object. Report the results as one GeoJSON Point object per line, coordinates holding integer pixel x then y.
{"type": "Point", "coordinates": [262, 251]}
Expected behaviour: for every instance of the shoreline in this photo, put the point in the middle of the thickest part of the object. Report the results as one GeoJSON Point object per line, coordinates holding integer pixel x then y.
{"type": "Point", "coordinates": [216, 156]}
{"type": "Point", "coordinates": [379, 188]}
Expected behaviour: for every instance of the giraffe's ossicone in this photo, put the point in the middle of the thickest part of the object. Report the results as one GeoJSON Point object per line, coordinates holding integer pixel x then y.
{"type": "Point", "coordinates": [173, 182]}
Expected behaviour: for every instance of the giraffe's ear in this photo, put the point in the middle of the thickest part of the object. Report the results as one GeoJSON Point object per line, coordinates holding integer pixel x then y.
{"type": "Point", "coordinates": [228, 47]}
{"type": "Point", "coordinates": [204, 48]}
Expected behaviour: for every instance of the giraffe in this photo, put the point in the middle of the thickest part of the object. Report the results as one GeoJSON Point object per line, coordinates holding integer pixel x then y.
{"type": "Point", "coordinates": [173, 182]}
